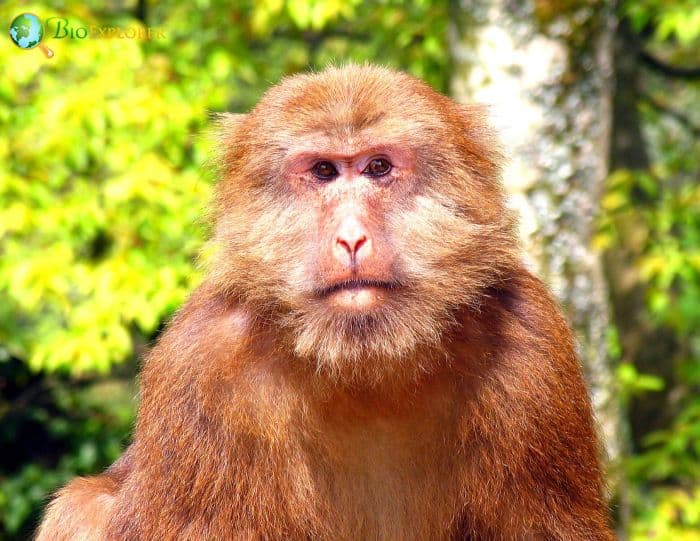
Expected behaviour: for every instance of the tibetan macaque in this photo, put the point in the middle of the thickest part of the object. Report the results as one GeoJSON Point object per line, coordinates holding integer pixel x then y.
{"type": "Point", "coordinates": [367, 358]}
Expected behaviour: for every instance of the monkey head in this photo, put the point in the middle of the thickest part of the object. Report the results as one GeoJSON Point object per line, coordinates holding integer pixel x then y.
{"type": "Point", "coordinates": [359, 210]}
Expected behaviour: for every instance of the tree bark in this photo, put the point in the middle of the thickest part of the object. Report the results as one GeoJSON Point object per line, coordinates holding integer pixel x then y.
{"type": "Point", "coordinates": [545, 67]}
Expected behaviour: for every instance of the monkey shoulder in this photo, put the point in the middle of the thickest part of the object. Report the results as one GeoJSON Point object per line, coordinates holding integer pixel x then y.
{"type": "Point", "coordinates": [525, 320]}
{"type": "Point", "coordinates": [208, 311]}
{"type": "Point", "coordinates": [518, 358]}
{"type": "Point", "coordinates": [200, 361]}
{"type": "Point", "coordinates": [208, 327]}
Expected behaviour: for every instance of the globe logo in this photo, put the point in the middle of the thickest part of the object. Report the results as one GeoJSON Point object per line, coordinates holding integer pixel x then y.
{"type": "Point", "coordinates": [26, 31]}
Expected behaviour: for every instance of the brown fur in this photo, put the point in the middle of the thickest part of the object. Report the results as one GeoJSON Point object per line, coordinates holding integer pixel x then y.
{"type": "Point", "coordinates": [452, 409]}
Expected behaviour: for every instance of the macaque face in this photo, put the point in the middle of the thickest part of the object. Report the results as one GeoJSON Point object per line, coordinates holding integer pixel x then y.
{"type": "Point", "coordinates": [359, 216]}
{"type": "Point", "coordinates": [354, 269]}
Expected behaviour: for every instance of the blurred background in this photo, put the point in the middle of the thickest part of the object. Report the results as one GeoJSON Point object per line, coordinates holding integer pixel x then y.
{"type": "Point", "coordinates": [104, 181]}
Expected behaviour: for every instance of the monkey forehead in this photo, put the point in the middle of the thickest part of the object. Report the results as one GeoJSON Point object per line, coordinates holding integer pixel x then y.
{"type": "Point", "coordinates": [352, 101]}
{"type": "Point", "coordinates": [348, 110]}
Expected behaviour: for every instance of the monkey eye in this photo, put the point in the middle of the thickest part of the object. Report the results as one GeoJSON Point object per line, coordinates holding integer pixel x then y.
{"type": "Point", "coordinates": [377, 167]}
{"type": "Point", "coordinates": [324, 171]}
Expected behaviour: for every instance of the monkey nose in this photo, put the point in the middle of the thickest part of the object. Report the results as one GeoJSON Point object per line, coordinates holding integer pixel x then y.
{"type": "Point", "coordinates": [351, 242]}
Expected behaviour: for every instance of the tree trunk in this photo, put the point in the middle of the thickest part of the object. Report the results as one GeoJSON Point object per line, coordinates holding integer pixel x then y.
{"type": "Point", "coordinates": [642, 342]}
{"type": "Point", "coordinates": [545, 67]}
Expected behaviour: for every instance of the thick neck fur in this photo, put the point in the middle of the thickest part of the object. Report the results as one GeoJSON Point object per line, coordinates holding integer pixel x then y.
{"type": "Point", "coordinates": [247, 431]}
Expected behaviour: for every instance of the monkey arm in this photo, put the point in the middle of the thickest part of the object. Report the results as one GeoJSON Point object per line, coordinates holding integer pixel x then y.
{"type": "Point", "coordinates": [82, 508]}
{"type": "Point", "coordinates": [174, 438]}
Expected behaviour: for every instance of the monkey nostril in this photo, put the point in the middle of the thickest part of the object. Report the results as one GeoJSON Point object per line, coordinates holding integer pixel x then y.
{"type": "Point", "coordinates": [358, 244]}
{"type": "Point", "coordinates": [343, 244]}
{"type": "Point", "coordinates": [352, 246]}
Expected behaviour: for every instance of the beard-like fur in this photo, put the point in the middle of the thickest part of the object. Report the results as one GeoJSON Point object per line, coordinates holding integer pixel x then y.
{"type": "Point", "coordinates": [369, 347]}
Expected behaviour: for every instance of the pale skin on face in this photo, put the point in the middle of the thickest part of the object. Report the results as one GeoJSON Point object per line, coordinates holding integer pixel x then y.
{"type": "Point", "coordinates": [346, 182]}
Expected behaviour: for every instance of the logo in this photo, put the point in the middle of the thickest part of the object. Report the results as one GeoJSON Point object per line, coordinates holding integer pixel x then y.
{"type": "Point", "coordinates": [26, 31]}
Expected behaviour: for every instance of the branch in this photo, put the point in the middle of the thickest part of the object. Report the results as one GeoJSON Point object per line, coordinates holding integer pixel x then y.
{"type": "Point", "coordinates": [673, 113]}
{"type": "Point", "coordinates": [667, 69]}
{"type": "Point", "coordinates": [141, 11]}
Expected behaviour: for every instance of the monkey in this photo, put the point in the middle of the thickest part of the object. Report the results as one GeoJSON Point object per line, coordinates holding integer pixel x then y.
{"type": "Point", "coordinates": [367, 357]}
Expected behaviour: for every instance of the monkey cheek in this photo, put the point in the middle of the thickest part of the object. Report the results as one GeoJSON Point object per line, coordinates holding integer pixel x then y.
{"type": "Point", "coordinates": [357, 298]}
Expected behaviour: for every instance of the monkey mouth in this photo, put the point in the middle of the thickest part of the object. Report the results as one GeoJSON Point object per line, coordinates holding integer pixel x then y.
{"type": "Point", "coordinates": [357, 285]}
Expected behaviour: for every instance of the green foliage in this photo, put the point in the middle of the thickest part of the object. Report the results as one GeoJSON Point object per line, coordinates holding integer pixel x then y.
{"type": "Point", "coordinates": [666, 514]}
{"type": "Point", "coordinates": [52, 429]}
{"type": "Point", "coordinates": [654, 214]}
{"type": "Point", "coordinates": [631, 382]}
{"type": "Point", "coordinates": [100, 192]}
{"type": "Point", "coordinates": [679, 19]}
{"type": "Point", "coordinates": [673, 453]}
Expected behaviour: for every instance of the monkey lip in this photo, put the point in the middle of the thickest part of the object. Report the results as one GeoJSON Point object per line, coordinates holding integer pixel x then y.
{"type": "Point", "coordinates": [357, 294]}
{"type": "Point", "coordinates": [357, 286]}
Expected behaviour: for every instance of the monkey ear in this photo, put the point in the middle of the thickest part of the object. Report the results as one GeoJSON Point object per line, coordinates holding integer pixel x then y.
{"type": "Point", "coordinates": [481, 141]}
{"type": "Point", "coordinates": [225, 133]}
{"type": "Point", "coordinates": [475, 114]}
{"type": "Point", "coordinates": [480, 123]}
{"type": "Point", "coordinates": [226, 124]}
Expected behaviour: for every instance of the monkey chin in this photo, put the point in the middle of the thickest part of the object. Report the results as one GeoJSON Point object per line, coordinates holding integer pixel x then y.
{"type": "Point", "coordinates": [366, 335]}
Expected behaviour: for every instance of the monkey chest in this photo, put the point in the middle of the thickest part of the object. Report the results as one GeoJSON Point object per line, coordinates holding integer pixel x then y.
{"type": "Point", "coordinates": [373, 485]}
